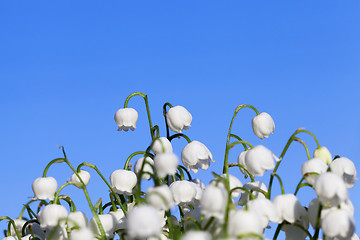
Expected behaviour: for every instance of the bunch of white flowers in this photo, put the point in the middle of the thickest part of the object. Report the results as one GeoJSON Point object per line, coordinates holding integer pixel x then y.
{"type": "Point", "coordinates": [179, 206]}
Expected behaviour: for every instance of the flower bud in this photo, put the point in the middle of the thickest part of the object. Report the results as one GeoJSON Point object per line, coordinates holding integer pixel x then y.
{"type": "Point", "coordinates": [161, 145]}
{"type": "Point", "coordinates": [44, 188]}
{"type": "Point", "coordinates": [259, 159]}
{"type": "Point", "coordinates": [165, 163]}
{"type": "Point", "coordinates": [315, 165]}
{"type": "Point", "coordinates": [251, 186]}
{"type": "Point", "coordinates": [198, 235]}
{"type": "Point", "coordinates": [184, 192]}
{"type": "Point", "coordinates": [338, 224]}
{"type": "Point", "coordinates": [324, 154]}
{"type": "Point", "coordinates": [51, 214]}
{"type": "Point", "coordinates": [82, 234]}
{"type": "Point", "coordinates": [330, 189]}
{"type": "Point", "coordinates": [213, 201]}
{"type": "Point", "coordinates": [160, 197]}
{"type": "Point", "coordinates": [126, 118]}
{"type": "Point", "coordinates": [178, 118]}
{"type": "Point", "coordinates": [288, 208]}
{"type": "Point", "coordinates": [107, 223]}
{"type": "Point", "coordinates": [244, 222]}
{"type": "Point", "coordinates": [263, 125]}
{"type": "Point", "coordinates": [78, 219]}
{"type": "Point", "coordinates": [196, 155]}
{"type": "Point", "coordinates": [147, 167]}
{"type": "Point", "coordinates": [344, 168]}
{"type": "Point", "coordinates": [84, 175]}
{"type": "Point", "coordinates": [123, 181]}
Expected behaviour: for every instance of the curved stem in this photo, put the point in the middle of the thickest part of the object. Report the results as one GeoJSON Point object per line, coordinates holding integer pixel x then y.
{"type": "Point", "coordinates": [23, 209]}
{"type": "Point", "coordinates": [178, 135]}
{"type": "Point", "coordinates": [302, 228]}
{"type": "Point", "coordinates": [56, 197]}
{"type": "Point", "coordinates": [280, 181]}
{"type": "Point", "coordinates": [11, 222]}
{"type": "Point", "coordinates": [238, 138]}
{"type": "Point", "coordinates": [164, 113]}
{"type": "Point", "coordinates": [245, 169]}
{"type": "Point", "coordinates": [56, 160]}
{"type": "Point", "coordinates": [187, 172]}
{"type": "Point", "coordinates": [305, 146]}
{"type": "Point", "coordinates": [240, 141]}
{"type": "Point", "coordinates": [126, 166]}
{"type": "Point", "coordinates": [144, 96]}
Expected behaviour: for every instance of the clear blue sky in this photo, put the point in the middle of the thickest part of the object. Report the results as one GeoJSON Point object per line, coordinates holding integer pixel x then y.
{"type": "Point", "coordinates": [67, 66]}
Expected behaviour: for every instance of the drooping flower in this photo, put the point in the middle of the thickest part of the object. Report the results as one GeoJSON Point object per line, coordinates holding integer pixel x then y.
{"type": "Point", "coordinates": [324, 154]}
{"type": "Point", "coordinates": [119, 219]}
{"type": "Point", "coordinates": [51, 214]}
{"type": "Point", "coordinates": [252, 186]}
{"type": "Point", "coordinates": [198, 235]}
{"type": "Point", "coordinates": [234, 182]}
{"type": "Point", "coordinates": [107, 222]}
{"type": "Point", "coordinates": [123, 181]}
{"type": "Point", "coordinates": [161, 145]}
{"type": "Point", "coordinates": [263, 125]}
{"type": "Point", "coordinates": [315, 165]}
{"type": "Point", "coordinates": [184, 192]}
{"type": "Point", "coordinates": [78, 219]}
{"type": "Point", "coordinates": [338, 224]}
{"type": "Point", "coordinates": [265, 209]}
{"type": "Point", "coordinates": [196, 155]}
{"type": "Point", "coordinates": [213, 201]}
{"type": "Point", "coordinates": [143, 222]}
{"type": "Point", "coordinates": [288, 208]}
{"type": "Point", "coordinates": [330, 189]}
{"type": "Point", "coordinates": [160, 197]}
{"type": "Point", "coordinates": [241, 161]}
{"type": "Point", "coordinates": [243, 222]}
{"type": "Point", "coordinates": [165, 164]}
{"type": "Point", "coordinates": [178, 118]}
{"type": "Point", "coordinates": [126, 118]}
{"type": "Point", "coordinates": [82, 234]}
{"type": "Point", "coordinates": [84, 175]}
{"type": "Point", "coordinates": [44, 188]}
{"type": "Point", "coordinates": [19, 223]}
{"type": "Point", "coordinates": [345, 168]}
{"type": "Point", "coordinates": [293, 232]}
{"type": "Point", "coordinates": [259, 159]}
{"type": "Point", "coordinates": [147, 170]}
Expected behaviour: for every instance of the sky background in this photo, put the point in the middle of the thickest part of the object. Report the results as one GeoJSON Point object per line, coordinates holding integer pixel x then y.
{"type": "Point", "coordinates": [67, 66]}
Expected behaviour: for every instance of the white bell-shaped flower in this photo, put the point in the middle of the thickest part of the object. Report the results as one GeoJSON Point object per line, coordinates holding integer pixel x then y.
{"type": "Point", "coordinates": [338, 224]}
{"type": "Point", "coordinates": [288, 208]}
{"type": "Point", "coordinates": [147, 167]}
{"type": "Point", "coordinates": [78, 219]}
{"type": "Point", "coordinates": [119, 219]}
{"type": "Point", "coordinates": [126, 118]}
{"type": "Point", "coordinates": [51, 214]}
{"type": "Point", "coordinates": [243, 222]}
{"type": "Point", "coordinates": [263, 125]}
{"type": "Point", "coordinates": [123, 181]}
{"type": "Point", "coordinates": [213, 201]}
{"type": "Point", "coordinates": [234, 182]}
{"type": "Point", "coordinates": [19, 223]}
{"type": "Point", "coordinates": [196, 155]}
{"type": "Point", "coordinates": [265, 209]}
{"type": "Point", "coordinates": [345, 168]}
{"type": "Point", "coordinates": [160, 197]}
{"type": "Point", "coordinates": [184, 192]}
{"type": "Point", "coordinates": [143, 222]}
{"type": "Point", "coordinates": [324, 154]}
{"type": "Point", "coordinates": [178, 118]}
{"type": "Point", "coordinates": [259, 159]}
{"type": "Point", "coordinates": [198, 235]}
{"type": "Point", "coordinates": [241, 161]}
{"type": "Point", "coordinates": [107, 223]}
{"type": "Point", "coordinates": [330, 189]}
{"type": "Point", "coordinates": [161, 145]}
{"type": "Point", "coordinates": [315, 165]}
{"type": "Point", "coordinates": [84, 175]}
{"type": "Point", "coordinates": [166, 164]}
{"type": "Point", "coordinates": [44, 188]}
{"type": "Point", "coordinates": [57, 233]}
{"type": "Point", "coordinates": [82, 234]}
{"type": "Point", "coordinates": [252, 186]}
{"type": "Point", "coordinates": [293, 232]}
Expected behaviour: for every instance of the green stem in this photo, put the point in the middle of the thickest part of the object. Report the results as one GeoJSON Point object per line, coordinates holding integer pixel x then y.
{"type": "Point", "coordinates": [11, 222]}
{"type": "Point", "coordinates": [280, 181]}
{"type": "Point", "coordinates": [144, 96]}
{"type": "Point", "coordinates": [240, 141]}
{"type": "Point", "coordinates": [126, 166]}
{"type": "Point", "coordinates": [317, 227]}
{"type": "Point", "coordinates": [56, 197]}
{"type": "Point", "coordinates": [187, 172]}
{"type": "Point", "coordinates": [305, 146]}
{"type": "Point", "coordinates": [164, 113]}
{"type": "Point", "coordinates": [178, 135]}
{"type": "Point", "coordinates": [278, 230]}
{"type": "Point", "coordinates": [245, 169]}
{"type": "Point", "coordinates": [56, 160]}
{"type": "Point", "coordinates": [23, 209]}
{"type": "Point", "coordinates": [238, 138]}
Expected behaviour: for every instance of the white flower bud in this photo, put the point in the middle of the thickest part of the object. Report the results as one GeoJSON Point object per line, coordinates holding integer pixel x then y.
{"type": "Point", "coordinates": [19, 223]}
{"type": "Point", "coordinates": [198, 235]}
{"type": "Point", "coordinates": [107, 222]}
{"type": "Point", "coordinates": [259, 159]}
{"type": "Point", "coordinates": [288, 208]}
{"type": "Point", "coordinates": [178, 118]}
{"type": "Point", "coordinates": [147, 168]}
{"type": "Point", "coordinates": [44, 188]}
{"type": "Point", "coordinates": [338, 224]}
{"type": "Point", "coordinates": [213, 201]}
{"type": "Point", "coordinates": [160, 197]}
{"type": "Point", "coordinates": [184, 192]}
{"type": "Point", "coordinates": [161, 145]}
{"type": "Point", "coordinates": [330, 189]}
{"type": "Point", "coordinates": [263, 125]}
{"type": "Point", "coordinates": [119, 219]}
{"type": "Point", "coordinates": [196, 155]}
{"type": "Point", "coordinates": [241, 161]}
{"type": "Point", "coordinates": [165, 164]}
{"type": "Point", "coordinates": [234, 182]}
{"type": "Point", "coordinates": [126, 118]}
{"type": "Point", "coordinates": [82, 234]}
{"type": "Point", "coordinates": [244, 222]}
{"type": "Point", "coordinates": [78, 219]}
{"type": "Point", "coordinates": [265, 209]}
{"type": "Point", "coordinates": [251, 186]}
{"type": "Point", "coordinates": [143, 222]}
{"type": "Point", "coordinates": [84, 175]}
{"type": "Point", "coordinates": [345, 168]}
{"type": "Point", "coordinates": [315, 165]}
{"type": "Point", "coordinates": [51, 214]}
{"type": "Point", "coordinates": [123, 181]}
{"type": "Point", "coordinates": [324, 154]}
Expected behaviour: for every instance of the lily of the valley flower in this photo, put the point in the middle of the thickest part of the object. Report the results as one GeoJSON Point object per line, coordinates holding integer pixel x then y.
{"type": "Point", "coordinates": [147, 170]}
{"type": "Point", "coordinates": [259, 159]}
{"type": "Point", "coordinates": [265, 209]}
{"type": "Point", "coordinates": [198, 235]}
{"type": "Point", "coordinates": [243, 222]}
{"type": "Point", "coordinates": [234, 182]}
{"type": "Point", "coordinates": [213, 201]}
{"type": "Point", "coordinates": [345, 168]}
{"type": "Point", "coordinates": [44, 188]}
{"type": "Point", "coordinates": [107, 222]}
{"type": "Point", "coordinates": [251, 186]}
{"type": "Point", "coordinates": [196, 155]}
{"type": "Point", "coordinates": [123, 181]}
{"type": "Point", "coordinates": [78, 219]}
{"type": "Point", "coordinates": [160, 197]}
{"type": "Point", "coordinates": [315, 165]}
{"type": "Point", "coordinates": [324, 154]}
{"type": "Point", "coordinates": [184, 192]}
{"type": "Point", "coordinates": [165, 164]}
{"type": "Point", "coordinates": [51, 214]}
{"type": "Point", "coordinates": [161, 145]}
{"type": "Point", "coordinates": [178, 118]}
{"type": "Point", "coordinates": [330, 189]}
{"type": "Point", "coordinates": [143, 222]}
{"type": "Point", "coordinates": [126, 118]}
{"type": "Point", "coordinates": [338, 224]}
{"type": "Point", "coordinates": [288, 208]}
{"type": "Point", "coordinates": [84, 175]}
{"type": "Point", "coordinates": [263, 125]}
{"type": "Point", "coordinates": [82, 234]}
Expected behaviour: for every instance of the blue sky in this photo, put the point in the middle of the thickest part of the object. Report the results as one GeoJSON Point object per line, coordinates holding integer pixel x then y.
{"type": "Point", "coordinates": [67, 66]}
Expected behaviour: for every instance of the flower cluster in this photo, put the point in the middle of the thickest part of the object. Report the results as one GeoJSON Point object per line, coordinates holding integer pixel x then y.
{"type": "Point", "coordinates": [178, 206]}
